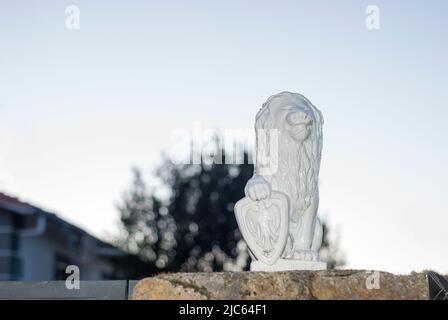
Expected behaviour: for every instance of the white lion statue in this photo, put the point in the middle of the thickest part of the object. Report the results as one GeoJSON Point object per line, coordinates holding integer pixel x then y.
{"type": "Point", "coordinates": [284, 186]}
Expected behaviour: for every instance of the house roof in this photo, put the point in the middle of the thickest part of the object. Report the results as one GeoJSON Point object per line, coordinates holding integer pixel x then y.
{"type": "Point", "coordinates": [17, 206]}
{"type": "Point", "coordinates": [14, 204]}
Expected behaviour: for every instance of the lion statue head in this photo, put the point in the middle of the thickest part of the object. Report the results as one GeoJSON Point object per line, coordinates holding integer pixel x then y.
{"type": "Point", "coordinates": [298, 127]}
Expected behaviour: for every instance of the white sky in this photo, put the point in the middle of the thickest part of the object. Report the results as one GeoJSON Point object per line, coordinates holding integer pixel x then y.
{"type": "Point", "coordinates": [79, 108]}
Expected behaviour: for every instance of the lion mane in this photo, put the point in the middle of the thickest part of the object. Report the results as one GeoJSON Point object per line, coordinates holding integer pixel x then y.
{"type": "Point", "coordinates": [300, 183]}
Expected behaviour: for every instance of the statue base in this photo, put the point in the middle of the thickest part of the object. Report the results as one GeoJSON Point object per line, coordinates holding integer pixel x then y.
{"type": "Point", "coordinates": [288, 265]}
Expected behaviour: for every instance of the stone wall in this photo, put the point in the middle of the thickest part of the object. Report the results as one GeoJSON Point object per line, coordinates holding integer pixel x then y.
{"type": "Point", "coordinates": [330, 284]}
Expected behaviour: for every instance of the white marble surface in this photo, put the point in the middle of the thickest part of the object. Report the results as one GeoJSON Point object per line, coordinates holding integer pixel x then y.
{"type": "Point", "coordinates": [288, 265]}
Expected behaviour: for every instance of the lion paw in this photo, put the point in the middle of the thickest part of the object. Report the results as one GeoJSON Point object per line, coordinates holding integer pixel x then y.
{"type": "Point", "coordinates": [306, 255]}
{"type": "Point", "coordinates": [257, 188]}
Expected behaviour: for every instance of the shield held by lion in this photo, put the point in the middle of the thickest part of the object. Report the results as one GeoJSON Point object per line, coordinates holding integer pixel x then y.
{"type": "Point", "coordinates": [264, 225]}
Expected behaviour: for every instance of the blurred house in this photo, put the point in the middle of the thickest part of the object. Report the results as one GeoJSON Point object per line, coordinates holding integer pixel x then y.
{"type": "Point", "coordinates": [38, 245]}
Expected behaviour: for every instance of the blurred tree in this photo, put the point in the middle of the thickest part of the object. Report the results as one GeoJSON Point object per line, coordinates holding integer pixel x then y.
{"type": "Point", "coordinates": [330, 251]}
{"type": "Point", "coordinates": [147, 228]}
{"type": "Point", "coordinates": [194, 227]}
